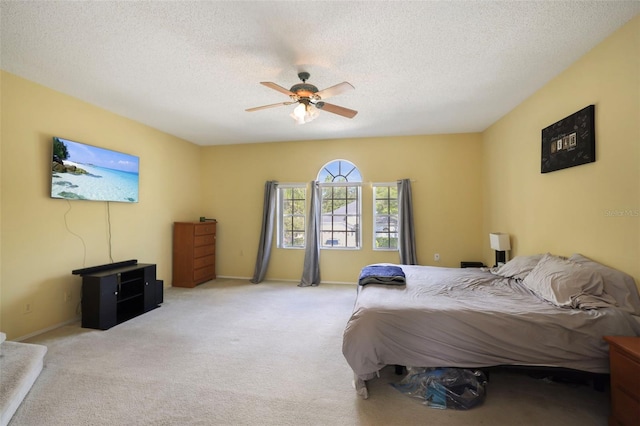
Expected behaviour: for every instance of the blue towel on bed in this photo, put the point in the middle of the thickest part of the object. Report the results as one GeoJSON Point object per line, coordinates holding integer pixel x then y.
{"type": "Point", "coordinates": [382, 274]}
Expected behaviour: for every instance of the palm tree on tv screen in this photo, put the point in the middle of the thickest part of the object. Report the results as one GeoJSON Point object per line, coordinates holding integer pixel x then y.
{"type": "Point", "coordinates": [59, 150]}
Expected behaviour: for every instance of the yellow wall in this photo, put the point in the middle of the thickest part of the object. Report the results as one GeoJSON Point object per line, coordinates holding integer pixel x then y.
{"type": "Point", "coordinates": [593, 209]}
{"type": "Point", "coordinates": [446, 181]}
{"type": "Point", "coordinates": [464, 186]}
{"type": "Point", "coordinates": [38, 251]}
{"type": "Point", "coordinates": [178, 183]}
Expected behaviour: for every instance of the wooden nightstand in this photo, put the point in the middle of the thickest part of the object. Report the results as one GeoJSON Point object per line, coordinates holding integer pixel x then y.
{"type": "Point", "coordinates": [624, 360]}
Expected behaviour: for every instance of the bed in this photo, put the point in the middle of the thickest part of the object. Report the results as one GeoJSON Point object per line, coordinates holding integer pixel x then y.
{"type": "Point", "coordinates": [540, 310]}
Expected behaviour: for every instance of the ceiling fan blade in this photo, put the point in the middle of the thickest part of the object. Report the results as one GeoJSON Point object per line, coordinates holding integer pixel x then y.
{"type": "Point", "coordinates": [334, 90]}
{"type": "Point", "coordinates": [278, 88]}
{"type": "Point", "coordinates": [345, 112]}
{"type": "Point", "coordinates": [268, 106]}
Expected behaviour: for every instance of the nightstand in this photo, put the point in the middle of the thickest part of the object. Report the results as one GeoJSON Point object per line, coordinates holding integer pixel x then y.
{"type": "Point", "coordinates": [467, 264]}
{"type": "Point", "coordinates": [624, 361]}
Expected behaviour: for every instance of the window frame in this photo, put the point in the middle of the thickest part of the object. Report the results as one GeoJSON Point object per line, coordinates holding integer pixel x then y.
{"type": "Point", "coordinates": [341, 170]}
{"type": "Point", "coordinates": [280, 212]}
{"type": "Point", "coordinates": [358, 215]}
{"type": "Point", "coordinates": [388, 215]}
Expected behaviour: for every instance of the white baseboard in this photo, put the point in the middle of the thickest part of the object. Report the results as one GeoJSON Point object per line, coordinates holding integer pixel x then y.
{"type": "Point", "coordinates": [338, 282]}
{"type": "Point", "coordinates": [233, 278]}
{"type": "Point", "coordinates": [44, 330]}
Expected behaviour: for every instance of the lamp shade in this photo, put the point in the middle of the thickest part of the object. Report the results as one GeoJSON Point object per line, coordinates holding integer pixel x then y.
{"type": "Point", "coordinates": [499, 241]}
{"type": "Point", "coordinates": [304, 113]}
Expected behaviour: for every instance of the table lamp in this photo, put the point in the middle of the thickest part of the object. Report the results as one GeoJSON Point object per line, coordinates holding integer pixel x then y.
{"type": "Point", "coordinates": [500, 243]}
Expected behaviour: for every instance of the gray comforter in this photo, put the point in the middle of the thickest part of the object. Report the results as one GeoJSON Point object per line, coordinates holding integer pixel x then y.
{"type": "Point", "coordinates": [446, 317]}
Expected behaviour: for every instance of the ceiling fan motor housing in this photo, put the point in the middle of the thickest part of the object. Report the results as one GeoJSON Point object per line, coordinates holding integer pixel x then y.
{"type": "Point", "coordinates": [304, 90]}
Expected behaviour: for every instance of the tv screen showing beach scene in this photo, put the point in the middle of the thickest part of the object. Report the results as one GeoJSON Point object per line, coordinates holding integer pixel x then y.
{"type": "Point", "coordinates": [85, 172]}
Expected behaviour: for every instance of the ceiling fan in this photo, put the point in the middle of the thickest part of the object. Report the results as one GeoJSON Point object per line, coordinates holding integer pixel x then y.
{"type": "Point", "coordinates": [310, 99]}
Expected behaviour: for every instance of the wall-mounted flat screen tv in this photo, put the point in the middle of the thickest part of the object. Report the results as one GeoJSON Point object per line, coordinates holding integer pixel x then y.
{"type": "Point", "coordinates": [85, 172]}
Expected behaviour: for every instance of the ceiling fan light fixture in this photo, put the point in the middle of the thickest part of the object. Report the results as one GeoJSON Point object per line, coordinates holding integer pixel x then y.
{"type": "Point", "coordinates": [311, 113]}
{"type": "Point", "coordinates": [304, 113]}
{"type": "Point", "coordinates": [299, 111]}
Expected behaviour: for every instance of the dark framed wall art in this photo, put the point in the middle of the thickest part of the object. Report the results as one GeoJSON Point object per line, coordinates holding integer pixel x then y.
{"type": "Point", "coordinates": [570, 141]}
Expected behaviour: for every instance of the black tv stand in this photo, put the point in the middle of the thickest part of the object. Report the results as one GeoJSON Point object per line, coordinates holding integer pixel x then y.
{"type": "Point", "coordinates": [105, 267]}
{"type": "Point", "coordinates": [116, 292]}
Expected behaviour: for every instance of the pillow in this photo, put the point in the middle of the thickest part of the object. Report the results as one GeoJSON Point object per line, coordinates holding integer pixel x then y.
{"type": "Point", "coordinates": [558, 280]}
{"type": "Point", "coordinates": [620, 286]}
{"type": "Point", "coordinates": [518, 267]}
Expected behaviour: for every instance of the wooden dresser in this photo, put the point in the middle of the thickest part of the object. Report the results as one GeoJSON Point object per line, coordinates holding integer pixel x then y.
{"type": "Point", "coordinates": [624, 359]}
{"type": "Point", "coordinates": [194, 253]}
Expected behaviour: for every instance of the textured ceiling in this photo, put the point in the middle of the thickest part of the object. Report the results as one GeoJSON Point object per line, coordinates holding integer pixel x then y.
{"type": "Point", "coordinates": [192, 68]}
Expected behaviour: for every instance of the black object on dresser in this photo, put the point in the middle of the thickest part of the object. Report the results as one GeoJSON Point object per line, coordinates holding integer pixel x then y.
{"type": "Point", "coordinates": [117, 292]}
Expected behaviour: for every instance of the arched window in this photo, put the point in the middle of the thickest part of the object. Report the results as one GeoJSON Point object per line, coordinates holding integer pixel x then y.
{"type": "Point", "coordinates": [339, 171]}
{"type": "Point", "coordinates": [340, 184]}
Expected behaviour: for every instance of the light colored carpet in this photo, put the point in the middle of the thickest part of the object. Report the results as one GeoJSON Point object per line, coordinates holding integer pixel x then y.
{"type": "Point", "coordinates": [233, 353]}
{"type": "Point", "coordinates": [20, 365]}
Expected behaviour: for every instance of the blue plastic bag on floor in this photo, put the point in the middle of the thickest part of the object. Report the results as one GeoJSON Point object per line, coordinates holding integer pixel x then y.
{"type": "Point", "coordinates": [456, 388]}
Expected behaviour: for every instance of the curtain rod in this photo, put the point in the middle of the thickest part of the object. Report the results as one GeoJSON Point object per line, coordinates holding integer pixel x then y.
{"type": "Point", "coordinates": [340, 183]}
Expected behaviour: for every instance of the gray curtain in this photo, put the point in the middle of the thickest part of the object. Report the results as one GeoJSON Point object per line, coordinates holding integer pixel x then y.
{"type": "Point", "coordinates": [406, 233]}
{"type": "Point", "coordinates": [266, 234]}
{"type": "Point", "coordinates": [311, 270]}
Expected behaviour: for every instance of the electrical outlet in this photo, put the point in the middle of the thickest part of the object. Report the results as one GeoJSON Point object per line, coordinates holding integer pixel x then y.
{"type": "Point", "coordinates": [436, 257]}
{"type": "Point", "coordinates": [68, 296]}
{"type": "Point", "coordinates": [27, 308]}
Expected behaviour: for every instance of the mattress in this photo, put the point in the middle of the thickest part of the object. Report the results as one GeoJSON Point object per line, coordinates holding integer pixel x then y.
{"type": "Point", "coordinates": [471, 318]}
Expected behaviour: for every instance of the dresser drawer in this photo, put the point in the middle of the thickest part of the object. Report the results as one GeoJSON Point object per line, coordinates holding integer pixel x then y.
{"type": "Point", "coordinates": [201, 262]}
{"type": "Point", "coordinates": [204, 240]}
{"type": "Point", "coordinates": [625, 373]}
{"type": "Point", "coordinates": [204, 251]}
{"type": "Point", "coordinates": [626, 410]}
{"type": "Point", "coordinates": [204, 274]}
{"type": "Point", "coordinates": [205, 229]}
